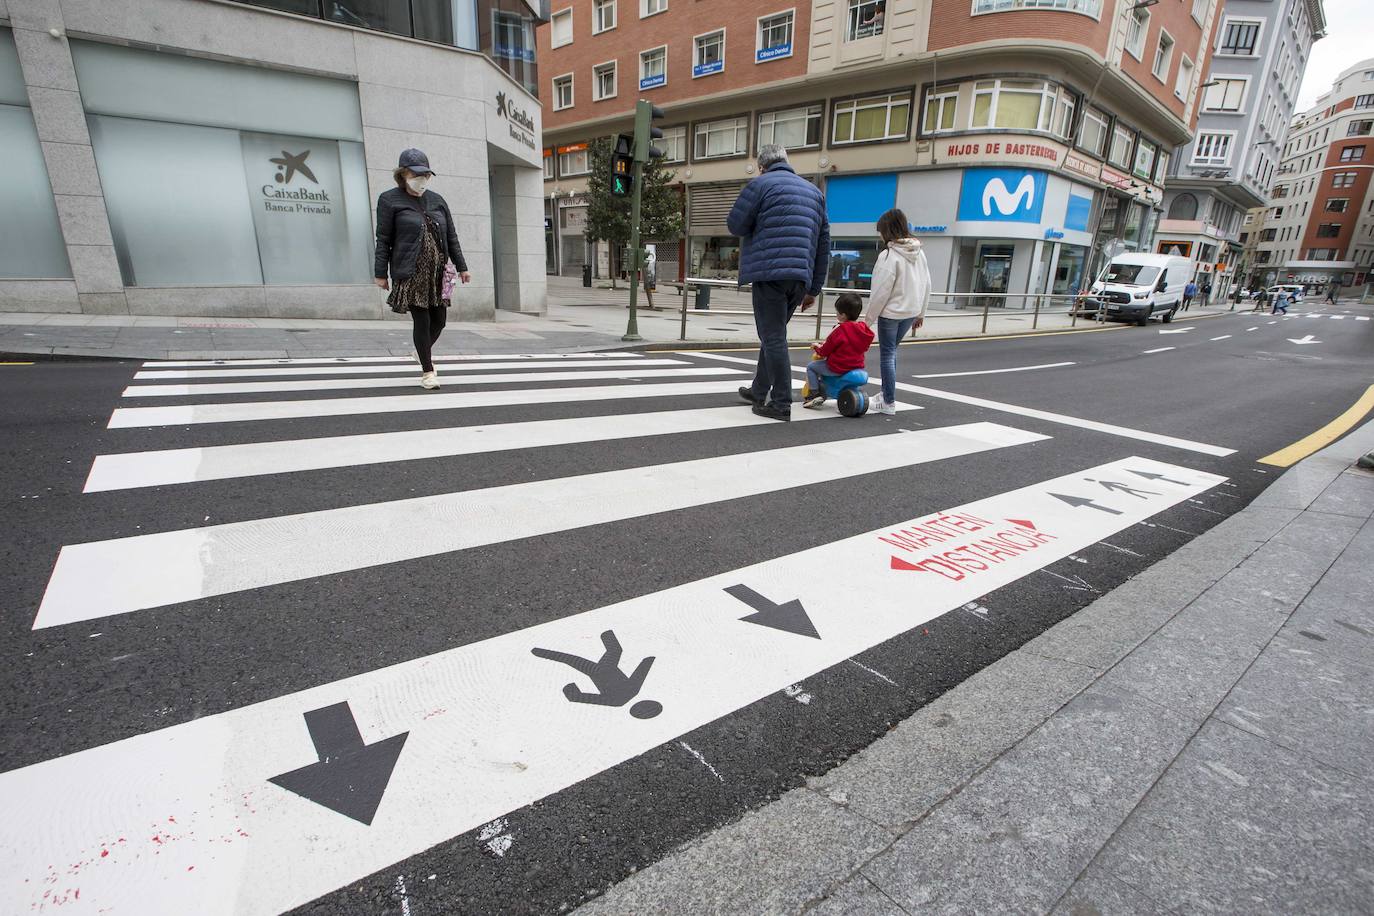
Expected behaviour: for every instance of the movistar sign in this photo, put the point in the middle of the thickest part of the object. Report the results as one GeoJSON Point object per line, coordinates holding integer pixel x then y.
{"type": "Point", "coordinates": [1002, 195]}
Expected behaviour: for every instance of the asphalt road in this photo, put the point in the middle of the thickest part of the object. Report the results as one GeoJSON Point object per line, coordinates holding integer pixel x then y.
{"type": "Point", "coordinates": [165, 638]}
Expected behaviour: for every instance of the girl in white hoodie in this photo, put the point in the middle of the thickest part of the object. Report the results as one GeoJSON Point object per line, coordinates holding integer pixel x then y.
{"type": "Point", "coordinates": [897, 300]}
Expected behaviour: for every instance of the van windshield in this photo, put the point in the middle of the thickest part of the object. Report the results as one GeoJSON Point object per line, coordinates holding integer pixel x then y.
{"type": "Point", "coordinates": [1132, 274]}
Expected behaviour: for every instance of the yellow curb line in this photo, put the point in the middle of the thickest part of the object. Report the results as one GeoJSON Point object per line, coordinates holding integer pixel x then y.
{"type": "Point", "coordinates": [16, 364]}
{"type": "Point", "coordinates": [1324, 436]}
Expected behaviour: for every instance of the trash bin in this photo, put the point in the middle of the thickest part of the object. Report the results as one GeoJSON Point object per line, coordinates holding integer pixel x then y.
{"type": "Point", "coordinates": [586, 275]}
{"type": "Point", "coordinates": [703, 297]}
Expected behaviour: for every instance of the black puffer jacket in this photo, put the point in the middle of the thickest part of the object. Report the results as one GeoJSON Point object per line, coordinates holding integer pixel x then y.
{"type": "Point", "coordinates": [400, 222]}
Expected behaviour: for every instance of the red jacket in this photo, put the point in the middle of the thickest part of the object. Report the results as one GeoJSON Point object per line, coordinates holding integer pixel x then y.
{"type": "Point", "coordinates": [844, 349]}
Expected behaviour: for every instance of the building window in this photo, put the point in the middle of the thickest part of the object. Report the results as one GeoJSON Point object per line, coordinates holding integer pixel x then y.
{"type": "Point", "coordinates": [865, 19]}
{"type": "Point", "coordinates": [561, 28]}
{"type": "Point", "coordinates": [1239, 37]}
{"type": "Point", "coordinates": [548, 164]}
{"type": "Point", "coordinates": [603, 81]}
{"type": "Point", "coordinates": [1226, 95]}
{"type": "Point", "coordinates": [1268, 235]}
{"type": "Point", "coordinates": [1337, 204]}
{"type": "Point", "coordinates": [1164, 53]}
{"type": "Point", "coordinates": [1343, 179]}
{"type": "Point", "coordinates": [1013, 104]}
{"type": "Point", "coordinates": [1364, 101]}
{"type": "Point", "coordinates": [1064, 108]}
{"type": "Point", "coordinates": [674, 143]}
{"type": "Point", "coordinates": [1183, 207]}
{"type": "Point", "coordinates": [1212, 149]}
{"type": "Point", "coordinates": [1123, 139]}
{"type": "Point", "coordinates": [1359, 128]}
{"type": "Point", "coordinates": [721, 139]}
{"type": "Point", "coordinates": [881, 117]}
{"type": "Point", "coordinates": [603, 16]}
{"type": "Point", "coordinates": [1092, 135]}
{"type": "Point", "coordinates": [1185, 78]}
{"type": "Point", "coordinates": [1321, 254]}
{"type": "Point", "coordinates": [562, 92]}
{"type": "Point", "coordinates": [1200, 9]}
{"type": "Point", "coordinates": [792, 128]}
{"type": "Point", "coordinates": [775, 37]}
{"type": "Point", "coordinates": [572, 160]}
{"type": "Point", "coordinates": [653, 67]}
{"type": "Point", "coordinates": [708, 55]}
{"type": "Point", "coordinates": [940, 105]}
{"type": "Point", "coordinates": [1352, 153]}
{"type": "Point", "coordinates": [1145, 155]}
{"type": "Point", "coordinates": [652, 7]}
{"type": "Point", "coordinates": [1137, 27]}
{"type": "Point", "coordinates": [1087, 7]}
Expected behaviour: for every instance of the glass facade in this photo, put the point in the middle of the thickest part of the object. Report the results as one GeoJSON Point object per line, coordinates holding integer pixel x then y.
{"type": "Point", "coordinates": [501, 29]}
{"type": "Point", "coordinates": [31, 245]}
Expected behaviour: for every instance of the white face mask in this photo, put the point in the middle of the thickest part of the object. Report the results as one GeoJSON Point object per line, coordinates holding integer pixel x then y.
{"type": "Point", "coordinates": [417, 183]}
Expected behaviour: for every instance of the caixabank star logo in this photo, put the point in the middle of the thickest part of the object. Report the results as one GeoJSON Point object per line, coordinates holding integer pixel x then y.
{"type": "Point", "coordinates": [291, 163]}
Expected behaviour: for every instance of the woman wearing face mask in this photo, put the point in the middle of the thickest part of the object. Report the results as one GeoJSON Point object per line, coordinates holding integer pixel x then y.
{"type": "Point", "coordinates": [416, 238]}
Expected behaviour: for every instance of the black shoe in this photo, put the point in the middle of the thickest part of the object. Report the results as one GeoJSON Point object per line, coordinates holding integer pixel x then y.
{"type": "Point", "coordinates": [773, 412]}
{"type": "Point", "coordinates": [747, 394]}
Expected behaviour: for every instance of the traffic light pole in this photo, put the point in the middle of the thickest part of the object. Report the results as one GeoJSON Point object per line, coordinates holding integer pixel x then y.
{"type": "Point", "coordinates": [632, 328]}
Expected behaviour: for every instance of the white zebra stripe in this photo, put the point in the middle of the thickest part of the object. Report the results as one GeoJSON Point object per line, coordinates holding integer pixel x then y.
{"type": "Point", "coordinates": [307, 360]}
{"type": "Point", "coordinates": [408, 367]}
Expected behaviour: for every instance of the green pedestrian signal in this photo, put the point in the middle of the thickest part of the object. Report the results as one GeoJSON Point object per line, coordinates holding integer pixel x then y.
{"type": "Point", "coordinates": [622, 167]}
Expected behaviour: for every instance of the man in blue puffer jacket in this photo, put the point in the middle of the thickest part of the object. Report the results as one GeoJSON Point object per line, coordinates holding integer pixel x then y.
{"type": "Point", "coordinates": [780, 217]}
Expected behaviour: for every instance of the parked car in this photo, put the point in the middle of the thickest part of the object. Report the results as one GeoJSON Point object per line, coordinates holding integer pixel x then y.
{"type": "Point", "coordinates": [1138, 286]}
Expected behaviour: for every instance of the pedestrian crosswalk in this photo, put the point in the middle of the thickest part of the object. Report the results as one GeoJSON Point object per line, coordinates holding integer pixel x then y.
{"type": "Point", "coordinates": [430, 736]}
{"type": "Point", "coordinates": [1329, 315]}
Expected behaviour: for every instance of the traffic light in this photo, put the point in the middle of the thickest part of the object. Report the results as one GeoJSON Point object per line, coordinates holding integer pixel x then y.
{"type": "Point", "coordinates": [622, 166]}
{"type": "Point", "coordinates": [645, 114]}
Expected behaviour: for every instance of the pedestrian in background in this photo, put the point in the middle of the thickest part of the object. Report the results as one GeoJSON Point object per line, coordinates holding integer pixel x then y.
{"type": "Point", "coordinates": [1331, 294]}
{"type": "Point", "coordinates": [1206, 292]}
{"type": "Point", "coordinates": [897, 299]}
{"type": "Point", "coordinates": [1189, 292]}
{"type": "Point", "coordinates": [785, 248]}
{"type": "Point", "coordinates": [416, 238]}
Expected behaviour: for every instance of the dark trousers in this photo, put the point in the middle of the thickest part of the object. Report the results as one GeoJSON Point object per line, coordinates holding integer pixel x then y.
{"type": "Point", "coordinates": [428, 325]}
{"type": "Point", "coordinates": [774, 303]}
{"type": "Point", "coordinates": [1187, 301]}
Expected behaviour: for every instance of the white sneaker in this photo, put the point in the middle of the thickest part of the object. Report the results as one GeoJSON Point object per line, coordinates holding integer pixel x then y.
{"type": "Point", "coordinates": [429, 380]}
{"type": "Point", "coordinates": [883, 407]}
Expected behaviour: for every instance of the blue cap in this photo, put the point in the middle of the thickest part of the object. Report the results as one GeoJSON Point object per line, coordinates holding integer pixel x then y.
{"type": "Point", "coordinates": [416, 161]}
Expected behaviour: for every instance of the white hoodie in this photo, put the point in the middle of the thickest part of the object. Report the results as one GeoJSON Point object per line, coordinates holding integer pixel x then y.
{"type": "Point", "coordinates": [901, 283]}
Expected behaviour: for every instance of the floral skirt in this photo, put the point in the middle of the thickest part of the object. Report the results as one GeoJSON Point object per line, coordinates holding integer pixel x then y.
{"type": "Point", "coordinates": [424, 288]}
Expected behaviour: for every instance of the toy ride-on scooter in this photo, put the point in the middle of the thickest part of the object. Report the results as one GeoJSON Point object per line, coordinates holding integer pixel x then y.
{"type": "Point", "coordinates": [847, 390]}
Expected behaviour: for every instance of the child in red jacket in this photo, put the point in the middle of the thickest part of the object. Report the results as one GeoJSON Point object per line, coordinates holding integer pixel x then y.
{"type": "Point", "coordinates": [843, 350]}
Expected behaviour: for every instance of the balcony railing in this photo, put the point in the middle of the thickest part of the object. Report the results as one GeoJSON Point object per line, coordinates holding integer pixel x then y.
{"type": "Point", "coordinates": [1086, 7]}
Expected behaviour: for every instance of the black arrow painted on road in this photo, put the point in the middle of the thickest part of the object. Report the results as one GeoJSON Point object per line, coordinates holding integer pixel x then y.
{"type": "Point", "coordinates": [1077, 501]}
{"type": "Point", "coordinates": [789, 616]}
{"type": "Point", "coordinates": [1151, 475]}
{"type": "Point", "coordinates": [350, 777]}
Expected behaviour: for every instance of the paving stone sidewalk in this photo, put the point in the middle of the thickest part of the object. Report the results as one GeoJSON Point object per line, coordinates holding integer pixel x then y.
{"type": "Point", "coordinates": [1200, 739]}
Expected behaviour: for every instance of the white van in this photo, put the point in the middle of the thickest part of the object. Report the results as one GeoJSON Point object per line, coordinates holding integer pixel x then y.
{"type": "Point", "coordinates": [1137, 286]}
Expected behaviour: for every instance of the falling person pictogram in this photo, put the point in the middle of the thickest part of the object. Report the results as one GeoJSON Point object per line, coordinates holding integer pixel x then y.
{"type": "Point", "coordinates": [613, 686]}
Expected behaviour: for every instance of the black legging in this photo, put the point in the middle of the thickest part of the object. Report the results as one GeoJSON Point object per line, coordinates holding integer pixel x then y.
{"type": "Point", "coordinates": [429, 324]}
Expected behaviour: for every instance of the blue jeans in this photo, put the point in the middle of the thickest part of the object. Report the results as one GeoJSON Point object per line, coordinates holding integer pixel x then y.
{"type": "Point", "coordinates": [816, 372]}
{"type": "Point", "coordinates": [890, 331]}
{"type": "Point", "coordinates": [774, 303]}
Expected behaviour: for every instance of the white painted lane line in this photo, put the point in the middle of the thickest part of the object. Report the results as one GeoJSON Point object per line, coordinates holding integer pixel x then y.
{"type": "Point", "coordinates": [1123, 431]}
{"type": "Point", "coordinates": [1361, 317]}
{"type": "Point", "coordinates": [408, 367]}
{"type": "Point", "coordinates": [994, 371]}
{"type": "Point", "coordinates": [1336, 317]}
{"type": "Point", "coordinates": [113, 577]}
{"type": "Point", "coordinates": [458, 381]}
{"type": "Point", "coordinates": [244, 411]}
{"type": "Point", "coordinates": [1222, 337]}
{"type": "Point", "coordinates": [1159, 349]}
{"type": "Point", "coordinates": [250, 459]}
{"type": "Point", "coordinates": [488, 726]}
{"type": "Point", "coordinates": [1252, 329]}
{"type": "Point", "coordinates": [1273, 322]}
{"type": "Point", "coordinates": [345, 360]}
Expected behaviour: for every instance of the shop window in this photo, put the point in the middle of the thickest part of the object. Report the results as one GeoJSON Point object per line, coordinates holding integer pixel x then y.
{"type": "Point", "coordinates": [1092, 134]}
{"type": "Point", "coordinates": [865, 19]}
{"type": "Point", "coordinates": [562, 92]}
{"type": "Point", "coordinates": [1212, 149]}
{"type": "Point", "coordinates": [1337, 204]}
{"type": "Point", "coordinates": [1123, 140]}
{"type": "Point", "coordinates": [792, 128]}
{"type": "Point", "coordinates": [1164, 55]}
{"type": "Point", "coordinates": [1137, 27]}
{"type": "Point", "coordinates": [708, 54]}
{"type": "Point", "coordinates": [561, 28]}
{"type": "Point", "coordinates": [573, 160]}
{"type": "Point", "coordinates": [31, 246]}
{"type": "Point", "coordinates": [715, 257]}
{"type": "Point", "coordinates": [1226, 95]}
{"type": "Point", "coordinates": [603, 16]}
{"type": "Point", "coordinates": [721, 139]}
{"type": "Point", "coordinates": [1091, 8]}
{"type": "Point", "coordinates": [1239, 37]}
{"type": "Point", "coordinates": [603, 81]}
{"type": "Point", "coordinates": [1352, 153]}
{"type": "Point", "coordinates": [851, 263]}
{"type": "Point", "coordinates": [775, 37]}
{"type": "Point", "coordinates": [653, 67]}
{"type": "Point", "coordinates": [940, 108]}
{"type": "Point", "coordinates": [674, 143]}
{"type": "Point", "coordinates": [882, 117]}
{"type": "Point", "coordinates": [1013, 104]}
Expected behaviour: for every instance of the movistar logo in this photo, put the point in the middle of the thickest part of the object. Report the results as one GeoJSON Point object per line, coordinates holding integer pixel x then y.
{"type": "Point", "coordinates": [1008, 202]}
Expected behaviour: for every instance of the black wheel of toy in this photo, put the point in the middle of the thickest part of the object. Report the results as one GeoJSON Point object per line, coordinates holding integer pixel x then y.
{"type": "Point", "coordinates": [852, 402]}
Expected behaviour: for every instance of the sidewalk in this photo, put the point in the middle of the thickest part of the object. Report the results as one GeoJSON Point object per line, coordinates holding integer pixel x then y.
{"type": "Point", "coordinates": [1201, 739]}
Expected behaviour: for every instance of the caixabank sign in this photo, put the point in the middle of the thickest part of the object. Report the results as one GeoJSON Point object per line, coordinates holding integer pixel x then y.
{"type": "Point", "coordinates": [1002, 196]}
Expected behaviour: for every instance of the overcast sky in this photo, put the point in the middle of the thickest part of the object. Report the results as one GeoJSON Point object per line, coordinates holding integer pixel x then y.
{"type": "Point", "coordinates": [1350, 26]}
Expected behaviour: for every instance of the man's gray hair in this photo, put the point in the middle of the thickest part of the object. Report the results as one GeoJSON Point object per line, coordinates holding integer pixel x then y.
{"type": "Point", "coordinates": [770, 153]}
